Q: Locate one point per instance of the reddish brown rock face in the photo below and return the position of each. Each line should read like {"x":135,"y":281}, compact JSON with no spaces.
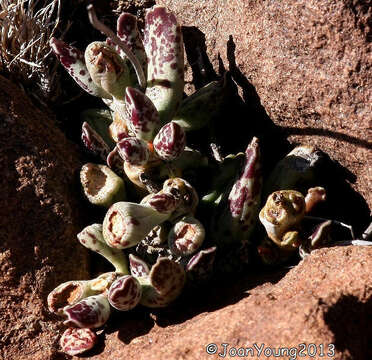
{"x":38,"y":222}
{"x":308,"y":62}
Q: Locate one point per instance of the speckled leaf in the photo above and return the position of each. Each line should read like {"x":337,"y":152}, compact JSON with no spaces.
{"x":94,"y":142}
{"x":170,"y":141}
{"x":143,"y":118}
{"x":91,"y":312}
{"x":127,"y":31}
{"x":165,"y":72}
{"x":125,"y":293}
{"x":165,"y":283}
{"x":134,"y":151}
{"x":76,"y":341}
{"x":72,"y":60}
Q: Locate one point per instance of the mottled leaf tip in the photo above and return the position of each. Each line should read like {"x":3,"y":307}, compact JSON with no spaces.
{"x":138,"y":267}
{"x":102,"y":283}
{"x":127,"y":31}
{"x":125,"y":293}
{"x":126,"y":224}
{"x":107,"y":69}
{"x":94,"y":142}
{"x":186,"y":236}
{"x":77,"y":341}
{"x":165,"y":72}
{"x":91,"y":312}
{"x":162,"y":202}
{"x":244,"y":198}
{"x":101,"y":185}
{"x":166,"y":281}
{"x":65,"y":294}
{"x":72,"y":59}
{"x":170,"y":141}
{"x":143,"y":118}
{"x":92,"y":238}
{"x":134,"y":151}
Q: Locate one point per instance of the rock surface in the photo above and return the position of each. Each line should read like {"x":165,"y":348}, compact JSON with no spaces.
{"x":38,"y":222}
{"x":309,"y":62}
{"x":326,"y":299}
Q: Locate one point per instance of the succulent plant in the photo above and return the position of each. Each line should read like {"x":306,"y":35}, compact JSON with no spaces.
{"x":283,"y":211}
{"x":153,"y":210}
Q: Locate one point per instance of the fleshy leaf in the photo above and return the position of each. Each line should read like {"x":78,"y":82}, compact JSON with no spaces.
{"x":200,"y":107}
{"x":76,"y":341}
{"x":125,"y":293}
{"x":143,"y":118}
{"x":127,"y":31}
{"x":134,"y":151}
{"x":91,"y":312}
{"x":170,"y":141}
{"x":94,"y":142}
{"x":91,"y":237}
{"x":72,"y":60}
{"x":165,"y":72}
{"x":165,"y":283}
{"x":200,"y":266}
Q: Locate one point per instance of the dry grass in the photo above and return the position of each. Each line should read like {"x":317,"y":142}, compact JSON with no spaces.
{"x":25,"y":29}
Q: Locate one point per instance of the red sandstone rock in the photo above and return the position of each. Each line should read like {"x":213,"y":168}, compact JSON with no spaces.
{"x":309,"y":62}
{"x":38,"y":222}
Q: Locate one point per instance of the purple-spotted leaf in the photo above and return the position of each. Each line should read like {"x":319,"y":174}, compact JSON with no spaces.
{"x":107,"y":69}
{"x":91,"y":312}
{"x":134,"y":151}
{"x":143,"y":118}
{"x":138,"y":267}
{"x":165,"y":72}
{"x":239,"y":213}
{"x":125,"y":293}
{"x":72,"y":60}
{"x":162,"y":202}
{"x":94,"y":142}
{"x":76,"y":341}
{"x":127,"y":31}
{"x":244,"y":198}
{"x":165,"y":283}
{"x":170,"y":141}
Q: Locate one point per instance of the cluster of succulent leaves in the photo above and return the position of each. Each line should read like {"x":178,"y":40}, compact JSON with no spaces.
{"x":140,"y":141}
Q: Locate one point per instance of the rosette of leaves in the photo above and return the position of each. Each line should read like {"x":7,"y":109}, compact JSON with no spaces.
{"x":141,"y":80}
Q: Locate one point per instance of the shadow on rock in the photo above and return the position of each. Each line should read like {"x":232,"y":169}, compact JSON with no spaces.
{"x":349,"y":320}
{"x":213,"y":296}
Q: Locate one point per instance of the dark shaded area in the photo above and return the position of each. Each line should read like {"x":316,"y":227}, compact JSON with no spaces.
{"x":349,"y":320}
